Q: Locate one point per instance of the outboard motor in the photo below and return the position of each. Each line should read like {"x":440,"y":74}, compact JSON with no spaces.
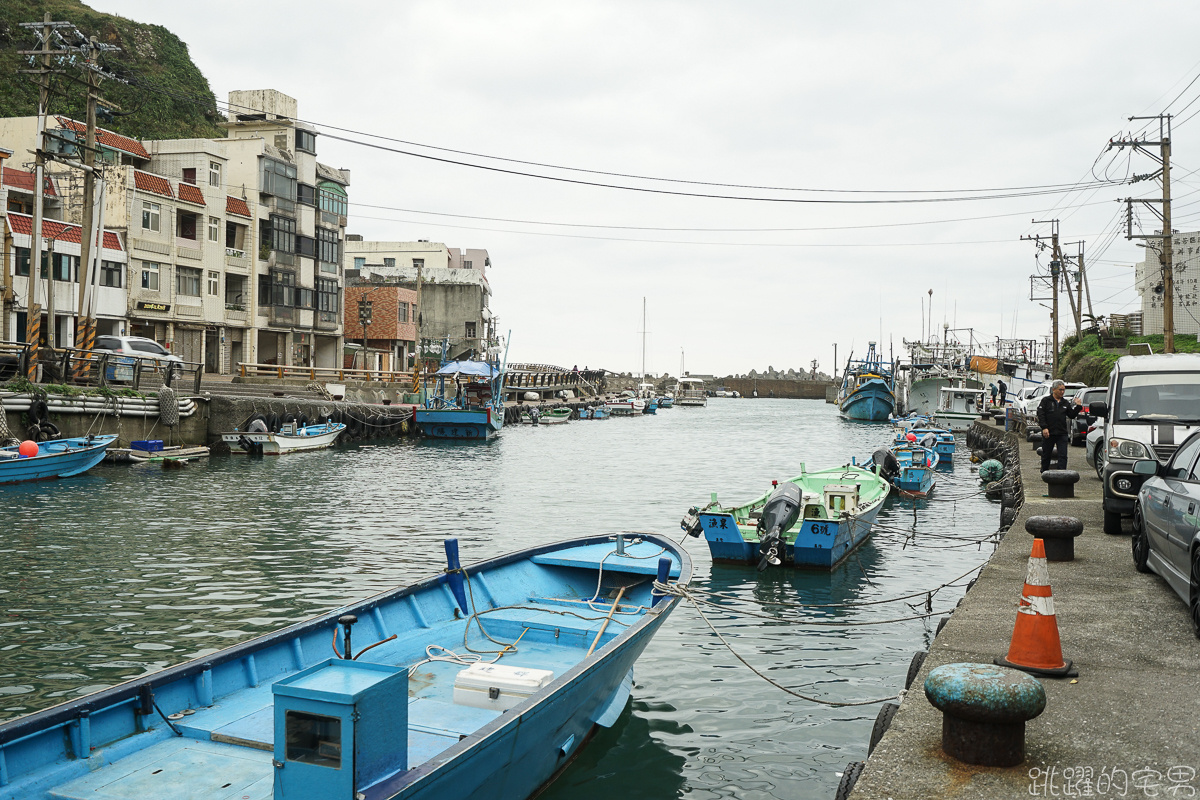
{"x":534,"y":415}
{"x":889,"y":467}
{"x":779,"y":514}
{"x":691,"y":522}
{"x":928,"y":441}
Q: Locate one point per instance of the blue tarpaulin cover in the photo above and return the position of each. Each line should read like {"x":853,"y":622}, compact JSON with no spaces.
{"x":479,"y":369}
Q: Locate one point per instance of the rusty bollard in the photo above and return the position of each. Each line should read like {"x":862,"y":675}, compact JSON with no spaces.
{"x":984,"y":710}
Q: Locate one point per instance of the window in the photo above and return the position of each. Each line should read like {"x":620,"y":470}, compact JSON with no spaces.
{"x":277,"y":289}
{"x":150,"y":214}
{"x":214,"y":173}
{"x":470,"y":330}
{"x":389,"y":262}
{"x":187,"y":225}
{"x":328,"y":249}
{"x":359,"y":263}
{"x":304,"y":297}
{"x":189,"y":175}
{"x":327,"y":295}
{"x":150,"y":275}
{"x":281,"y":233}
{"x":306,"y":194}
{"x":418,"y":263}
{"x":466,"y":265}
{"x":187,"y":281}
{"x":110,"y":274}
{"x":235,"y":236}
{"x":404,"y":312}
{"x":66,"y":268}
{"x":214,"y":229}
{"x":306,"y":141}
{"x":306,"y":246}
{"x":278,"y":179}
{"x":313,"y":739}
{"x":214,"y":283}
{"x":333,"y":198}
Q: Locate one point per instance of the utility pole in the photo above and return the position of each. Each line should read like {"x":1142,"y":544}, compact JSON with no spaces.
{"x":1055,"y":270}
{"x":85,"y":331}
{"x":1165,"y":254}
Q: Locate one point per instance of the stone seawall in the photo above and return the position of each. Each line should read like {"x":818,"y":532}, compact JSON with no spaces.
{"x":804,"y":390}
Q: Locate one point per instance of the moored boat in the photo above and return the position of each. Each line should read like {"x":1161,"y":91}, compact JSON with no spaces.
{"x":57,"y":458}
{"x":914,"y":475}
{"x":625,"y":405}
{"x":867,"y":392}
{"x":690,"y":393}
{"x":959,"y":407}
{"x":600,"y":412}
{"x":835,"y":509}
{"x":311,"y":713}
{"x":939,"y":440}
{"x":291,"y":438}
{"x":467,"y":402}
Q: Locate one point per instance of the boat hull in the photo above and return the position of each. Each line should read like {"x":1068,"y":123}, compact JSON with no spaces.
{"x":871,"y":401}
{"x":458,"y":423}
{"x":273,"y":444}
{"x":956,"y":421}
{"x":59,"y":458}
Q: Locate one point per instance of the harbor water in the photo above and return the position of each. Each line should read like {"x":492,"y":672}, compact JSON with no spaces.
{"x":126,"y":570}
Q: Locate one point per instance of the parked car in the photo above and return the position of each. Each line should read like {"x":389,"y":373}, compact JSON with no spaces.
{"x":1166,"y":529}
{"x":1154,"y":405}
{"x":1086,"y":419}
{"x":135,"y":346}
{"x":1094,"y":447}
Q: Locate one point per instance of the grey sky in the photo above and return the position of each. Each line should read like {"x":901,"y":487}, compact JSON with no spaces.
{"x":865,"y":95}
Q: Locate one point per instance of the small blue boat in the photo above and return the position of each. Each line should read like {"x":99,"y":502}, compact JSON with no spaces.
{"x":651,"y":406}
{"x":868,"y":391}
{"x":467,"y":403}
{"x":585,"y":412}
{"x":939,"y":439}
{"x":481,"y":682}
{"x":600,"y":412}
{"x":58,"y":458}
{"x":915,"y":475}
{"x":666,"y":401}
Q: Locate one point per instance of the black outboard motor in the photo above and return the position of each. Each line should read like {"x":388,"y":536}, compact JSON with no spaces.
{"x":889,"y":467}
{"x":534,"y":415}
{"x":779,"y":514}
{"x":691,"y":522}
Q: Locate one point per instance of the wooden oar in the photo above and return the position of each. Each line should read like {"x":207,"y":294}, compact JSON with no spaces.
{"x":611,"y":611}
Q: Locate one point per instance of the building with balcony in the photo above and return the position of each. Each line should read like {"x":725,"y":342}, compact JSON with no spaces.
{"x":455,"y":294}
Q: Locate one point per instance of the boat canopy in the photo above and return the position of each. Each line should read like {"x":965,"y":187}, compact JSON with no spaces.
{"x":480,"y":369}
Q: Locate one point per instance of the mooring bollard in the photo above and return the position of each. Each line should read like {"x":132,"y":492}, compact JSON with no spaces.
{"x":1036,"y":439}
{"x":1060,"y":482}
{"x":1057,"y":534}
{"x":984,"y":710}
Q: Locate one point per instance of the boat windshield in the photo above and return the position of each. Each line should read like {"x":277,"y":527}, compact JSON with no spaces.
{"x":1158,"y":397}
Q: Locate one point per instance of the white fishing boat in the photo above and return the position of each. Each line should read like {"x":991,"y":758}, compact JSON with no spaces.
{"x":625,"y":405}
{"x":690,"y":392}
{"x":959,"y":407}
{"x":290,"y":439}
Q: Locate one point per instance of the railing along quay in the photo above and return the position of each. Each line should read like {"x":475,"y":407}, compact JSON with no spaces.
{"x":284,"y":372}
{"x":69,"y":366}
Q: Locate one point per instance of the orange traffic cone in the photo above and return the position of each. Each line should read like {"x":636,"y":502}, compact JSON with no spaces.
{"x":1035,"y":645}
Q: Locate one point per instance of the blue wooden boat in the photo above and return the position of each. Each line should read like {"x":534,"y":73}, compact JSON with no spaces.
{"x":868,"y":391}
{"x":915,"y":476}
{"x":835,"y":511}
{"x":939,"y":439}
{"x":666,"y":401}
{"x":466,"y":403}
{"x":585,"y":412}
{"x":481,"y":682}
{"x":600,"y":412}
{"x":58,"y":458}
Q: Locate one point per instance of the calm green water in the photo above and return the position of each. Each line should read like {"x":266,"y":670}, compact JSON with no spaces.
{"x":127,"y":570}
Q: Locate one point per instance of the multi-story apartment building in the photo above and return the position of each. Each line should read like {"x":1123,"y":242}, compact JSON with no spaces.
{"x":455,"y":293}
{"x":232,"y":245}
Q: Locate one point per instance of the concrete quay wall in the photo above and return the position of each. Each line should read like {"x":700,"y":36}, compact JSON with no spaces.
{"x":802,"y":390}
{"x":1123,"y":728}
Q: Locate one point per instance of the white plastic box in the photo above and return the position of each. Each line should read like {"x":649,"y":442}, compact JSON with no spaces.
{"x":496,"y":686}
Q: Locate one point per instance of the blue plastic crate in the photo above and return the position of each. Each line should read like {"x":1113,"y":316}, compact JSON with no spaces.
{"x":149,"y":445}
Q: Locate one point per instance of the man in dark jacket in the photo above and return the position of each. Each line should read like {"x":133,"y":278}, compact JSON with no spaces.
{"x":1052,"y":415}
{"x":1003,"y":387}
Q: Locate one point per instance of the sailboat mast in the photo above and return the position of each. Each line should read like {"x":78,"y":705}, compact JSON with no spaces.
{"x":643,"y":340}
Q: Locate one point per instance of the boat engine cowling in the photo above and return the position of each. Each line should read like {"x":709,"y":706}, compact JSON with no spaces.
{"x":691,"y":522}
{"x":889,"y":467}
{"x":779,"y":514}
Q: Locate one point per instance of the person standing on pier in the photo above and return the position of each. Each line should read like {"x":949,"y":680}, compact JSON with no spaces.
{"x":1053,"y":414}
{"x":1003,"y":387}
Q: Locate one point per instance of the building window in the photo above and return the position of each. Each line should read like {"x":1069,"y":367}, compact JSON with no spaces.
{"x":280,"y":232}
{"x":466,"y":265}
{"x":189,"y":175}
{"x":306,"y":195}
{"x":214,"y":173}
{"x":327,"y":295}
{"x":214,"y":229}
{"x":328,"y":246}
{"x":389,"y":262}
{"x":150,"y":214}
{"x":306,"y":141}
{"x":333,"y":198}
{"x":214,"y":283}
{"x":188,"y":223}
{"x":470,"y":330}
{"x":277,"y":289}
{"x":418,"y":263}
{"x":110,"y":274}
{"x":360,"y":262}
{"x":404,"y":312}
{"x":187,"y":281}
{"x":306,"y":246}
{"x":66,"y":268}
{"x":150,"y":275}
{"x":278,"y":179}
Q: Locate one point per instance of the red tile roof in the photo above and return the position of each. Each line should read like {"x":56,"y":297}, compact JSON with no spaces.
{"x":152,"y":183}
{"x":236,"y":205}
{"x":23,"y":181}
{"x":189,"y":193}
{"x":109,"y":139}
{"x":60,"y":231}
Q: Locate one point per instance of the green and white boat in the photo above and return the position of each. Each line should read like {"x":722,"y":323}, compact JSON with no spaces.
{"x":813,"y":523}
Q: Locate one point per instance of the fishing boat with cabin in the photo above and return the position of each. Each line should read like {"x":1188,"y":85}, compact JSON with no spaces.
{"x":467,"y":401}
{"x":483,"y":681}
{"x":830,"y":510}
{"x":867,"y":392}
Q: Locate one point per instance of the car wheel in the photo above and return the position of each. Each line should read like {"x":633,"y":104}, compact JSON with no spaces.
{"x":1140,"y":542}
{"x":1098,"y":461}
{"x":1194,"y":593}
{"x":1112,"y":523}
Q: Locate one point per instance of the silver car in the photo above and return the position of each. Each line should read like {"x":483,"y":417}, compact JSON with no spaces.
{"x":135,"y":346}
{"x":1166,"y":523}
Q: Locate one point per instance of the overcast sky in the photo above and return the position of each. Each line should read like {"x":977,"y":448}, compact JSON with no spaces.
{"x":794,"y":95}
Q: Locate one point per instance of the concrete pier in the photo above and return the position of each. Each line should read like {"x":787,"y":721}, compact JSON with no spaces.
{"x":1128,"y":726}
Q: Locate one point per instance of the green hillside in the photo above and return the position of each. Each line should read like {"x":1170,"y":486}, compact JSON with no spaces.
{"x":167,"y":97}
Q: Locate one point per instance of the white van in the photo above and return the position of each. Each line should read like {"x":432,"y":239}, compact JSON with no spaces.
{"x":1154,"y":403}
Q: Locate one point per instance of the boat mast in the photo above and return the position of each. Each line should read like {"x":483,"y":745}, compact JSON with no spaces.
{"x":643,"y":340}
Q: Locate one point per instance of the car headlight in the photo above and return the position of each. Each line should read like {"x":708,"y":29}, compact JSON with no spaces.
{"x":1128,"y":449}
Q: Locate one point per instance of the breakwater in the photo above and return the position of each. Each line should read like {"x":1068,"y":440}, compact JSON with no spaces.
{"x":792,"y":390}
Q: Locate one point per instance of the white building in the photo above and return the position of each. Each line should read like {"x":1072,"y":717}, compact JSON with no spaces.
{"x":1186,"y":272}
